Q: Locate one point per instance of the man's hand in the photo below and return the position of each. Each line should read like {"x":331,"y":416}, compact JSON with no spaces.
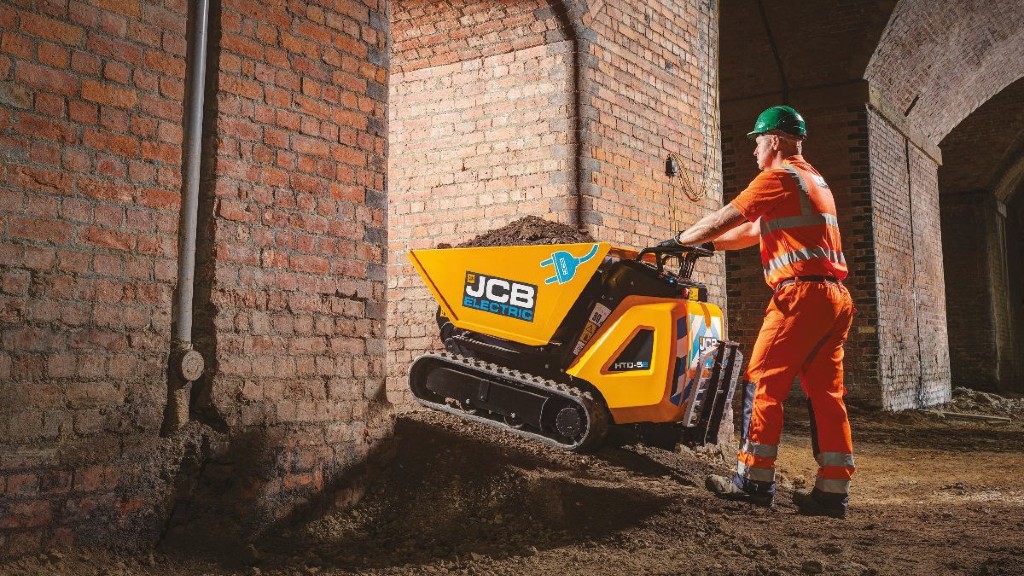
{"x":673,"y":243}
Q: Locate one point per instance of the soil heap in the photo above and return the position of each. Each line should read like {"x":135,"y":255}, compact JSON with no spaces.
{"x":528,"y":231}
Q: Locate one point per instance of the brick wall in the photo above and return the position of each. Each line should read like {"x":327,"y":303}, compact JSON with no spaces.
{"x":981,"y":156}
{"x":90,"y":137}
{"x":479,"y":138}
{"x":1015,"y":282}
{"x":913,"y":349}
{"x":650,"y":92}
{"x":488,"y":131}
{"x":427,"y":33}
{"x":293,"y":255}
{"x":291,"y":277}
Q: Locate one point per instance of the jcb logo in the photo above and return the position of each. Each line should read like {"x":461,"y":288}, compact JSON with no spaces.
{"x":500,"y":296}
{"x":707,"y":342}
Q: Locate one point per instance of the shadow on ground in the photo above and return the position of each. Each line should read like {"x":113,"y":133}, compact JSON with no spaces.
{"x":449,"y":494}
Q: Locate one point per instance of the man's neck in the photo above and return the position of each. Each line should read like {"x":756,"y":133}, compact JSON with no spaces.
{"x":779,"y":160}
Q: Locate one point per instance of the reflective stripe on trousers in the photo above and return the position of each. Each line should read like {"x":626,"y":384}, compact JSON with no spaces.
{"x":803,"y":334}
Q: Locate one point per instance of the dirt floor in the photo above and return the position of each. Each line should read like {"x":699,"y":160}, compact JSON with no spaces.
{"x":935,"y":494}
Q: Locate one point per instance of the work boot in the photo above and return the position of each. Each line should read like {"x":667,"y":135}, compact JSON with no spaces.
{"x":809,"y":503}
{"x":725,"y":488}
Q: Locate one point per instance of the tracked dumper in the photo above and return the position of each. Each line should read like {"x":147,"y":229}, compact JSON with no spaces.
{"x":559,"y":342}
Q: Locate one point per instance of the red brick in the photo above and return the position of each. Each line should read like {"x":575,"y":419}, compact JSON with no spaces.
{"x":45,"y":231}
{"x":40,"y":180}
{"x":161,"y":108}
{"x":44,"y":153}
{"x":17,"y":45}
{"x":104,"y":189}
{"x":83,"y":112}
{"x":73,"y":261}
{"x":165,"y":64}
{"x":110,"y":167}
{"x":130,"y":8}
{"x":106,"y":238}
{"x":107,"y":47}
{"x":113,"y":25}
{"x":146,"y":81}
{"x":108,"y":94}
{"x":146,"y":34}
{"x":39,"y":258}
{"x":159,"y":198}
{"x":50,"y":104}
{"x":85,"y":63}
{"x":107,"y":265}
{"x":46,"y":128}
{"x":22,"y":485}
{"x":51,"y":29}
{"x":89,"y":479}
{"x":53,"y":56}
{"x":116,"y":72}
{"x":172,"y":88}
{"x":30,"y":514}
{"x":165,"y":153}
{"x":234,"y":211}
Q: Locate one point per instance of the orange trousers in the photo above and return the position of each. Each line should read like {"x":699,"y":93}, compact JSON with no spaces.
{"x":803,"y":334}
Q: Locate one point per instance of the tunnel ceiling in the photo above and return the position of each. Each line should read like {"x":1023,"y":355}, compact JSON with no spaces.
{"x":818,"y":43}
{"x":936,"y":61}
{"x":941,"y":60}
{"x":986,"y":150}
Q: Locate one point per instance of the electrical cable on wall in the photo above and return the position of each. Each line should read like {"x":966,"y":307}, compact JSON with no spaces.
{"x":675,"y":168}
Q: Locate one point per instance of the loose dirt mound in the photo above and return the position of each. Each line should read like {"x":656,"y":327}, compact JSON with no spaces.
{"x":527,"y":231}
{"x":932,"y":495}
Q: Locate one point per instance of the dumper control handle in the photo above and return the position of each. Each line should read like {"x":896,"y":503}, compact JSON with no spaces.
{"x":687,"y":257}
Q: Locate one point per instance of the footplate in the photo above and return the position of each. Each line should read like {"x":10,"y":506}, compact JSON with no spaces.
{"x":711,"y":392}
{"x":524,"y":404}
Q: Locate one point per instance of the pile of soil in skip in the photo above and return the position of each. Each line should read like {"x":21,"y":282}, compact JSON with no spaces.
{"x":527,"y":231}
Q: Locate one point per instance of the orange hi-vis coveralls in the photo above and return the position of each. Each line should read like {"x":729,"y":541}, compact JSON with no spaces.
{"x":804,"y":329}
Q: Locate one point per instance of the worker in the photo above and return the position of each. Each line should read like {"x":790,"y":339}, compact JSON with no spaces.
{"x":789,"y":210}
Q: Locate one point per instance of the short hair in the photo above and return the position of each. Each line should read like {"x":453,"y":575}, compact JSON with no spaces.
{"x":786,"y":135}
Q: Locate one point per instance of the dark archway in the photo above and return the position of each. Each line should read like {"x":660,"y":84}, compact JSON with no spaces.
{"x":981,"y":243}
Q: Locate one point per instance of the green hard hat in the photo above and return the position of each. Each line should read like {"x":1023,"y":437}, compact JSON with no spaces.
{"x":779,"y":118}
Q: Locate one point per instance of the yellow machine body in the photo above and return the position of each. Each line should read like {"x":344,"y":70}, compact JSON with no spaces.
{"x":657,"y":392}
{"x":523,"y":293}
{"x":519,"y":293}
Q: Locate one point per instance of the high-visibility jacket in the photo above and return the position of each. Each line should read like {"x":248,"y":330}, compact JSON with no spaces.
{"x":799,"y":229}
{"x":804,"y":330}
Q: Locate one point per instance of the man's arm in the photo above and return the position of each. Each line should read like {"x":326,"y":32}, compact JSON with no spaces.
{"x":714,"y":225}
{"x":743,"y":236}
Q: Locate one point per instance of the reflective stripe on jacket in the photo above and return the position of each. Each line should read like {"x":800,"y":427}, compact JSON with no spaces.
{"x":799,"y":228}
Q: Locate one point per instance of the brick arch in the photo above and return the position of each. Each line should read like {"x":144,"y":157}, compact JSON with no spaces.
{"x":983,"y":168}
{"x":1009,"y":187}
{"x":938,"y":64}
{"x":984,"y":151}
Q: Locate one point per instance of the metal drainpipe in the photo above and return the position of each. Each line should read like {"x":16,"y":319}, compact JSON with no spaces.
{"x":576,"y":120}
{"x":185,"y":361}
